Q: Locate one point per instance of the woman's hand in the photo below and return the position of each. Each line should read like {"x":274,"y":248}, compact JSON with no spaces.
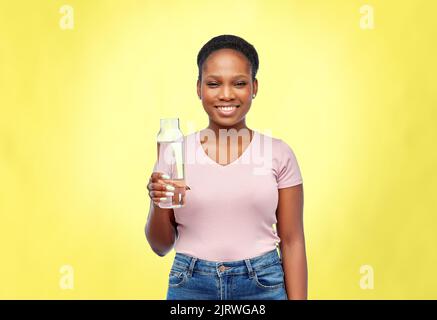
{"x":158,"y":189}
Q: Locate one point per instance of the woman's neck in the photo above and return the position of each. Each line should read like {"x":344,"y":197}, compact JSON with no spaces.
{"x":237,"y":127}
{"x":220,"y":137}
{"x":240,"y":138}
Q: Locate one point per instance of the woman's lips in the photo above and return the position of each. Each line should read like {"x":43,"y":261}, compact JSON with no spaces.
{"x":227,"y":111}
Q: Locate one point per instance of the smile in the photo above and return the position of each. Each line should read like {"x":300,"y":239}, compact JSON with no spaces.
{"x":227,"y":110}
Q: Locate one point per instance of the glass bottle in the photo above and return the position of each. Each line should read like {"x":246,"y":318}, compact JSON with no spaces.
{"x":170,"y":143}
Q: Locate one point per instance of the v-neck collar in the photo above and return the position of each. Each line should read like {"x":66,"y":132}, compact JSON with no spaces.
{"x":238,"y":160}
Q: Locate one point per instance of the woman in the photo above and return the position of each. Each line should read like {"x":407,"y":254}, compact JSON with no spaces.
{"x":225,"y":245}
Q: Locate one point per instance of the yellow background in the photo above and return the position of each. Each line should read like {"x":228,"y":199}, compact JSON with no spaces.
{"x":80,"y":112}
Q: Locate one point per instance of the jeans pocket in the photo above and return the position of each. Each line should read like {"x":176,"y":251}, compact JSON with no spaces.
{"x":177,"y":279}
{"x":271,"y":277}
{"x":178,"y":275}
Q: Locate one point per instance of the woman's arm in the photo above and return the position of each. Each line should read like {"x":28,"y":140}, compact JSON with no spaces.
{"x":161,"y":231}
{"x":292,"y":245}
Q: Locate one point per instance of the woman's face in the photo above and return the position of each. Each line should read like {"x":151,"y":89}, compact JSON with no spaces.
{"x":226,"y":87}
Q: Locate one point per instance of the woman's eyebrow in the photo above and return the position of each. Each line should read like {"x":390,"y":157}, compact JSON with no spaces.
{"x":217,"y":76}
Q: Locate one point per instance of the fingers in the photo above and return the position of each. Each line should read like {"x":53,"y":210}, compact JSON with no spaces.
{"x":160,"y":194}
{"x":157,"y":201}
{"x":158,"y":176}
{"x":159,"y":191}
{"x":158,"y":186}
{"x":162,"y":189}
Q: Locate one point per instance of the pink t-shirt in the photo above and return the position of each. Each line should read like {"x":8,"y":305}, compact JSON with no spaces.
{"x":230,"y":210}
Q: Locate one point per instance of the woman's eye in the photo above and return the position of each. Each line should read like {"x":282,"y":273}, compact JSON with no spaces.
{"x":216,"y":84}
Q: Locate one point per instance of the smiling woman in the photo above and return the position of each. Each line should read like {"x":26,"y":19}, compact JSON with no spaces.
{"x":225,"y":245}
{"x":227,"y":80}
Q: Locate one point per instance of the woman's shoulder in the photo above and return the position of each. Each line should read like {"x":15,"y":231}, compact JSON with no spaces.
{"x":284,"y":162}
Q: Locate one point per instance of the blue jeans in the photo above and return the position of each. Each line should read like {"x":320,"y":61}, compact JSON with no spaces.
{"x":259,"y":278}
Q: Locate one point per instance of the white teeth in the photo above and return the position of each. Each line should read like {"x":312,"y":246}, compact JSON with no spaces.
{"x":226,"y":108}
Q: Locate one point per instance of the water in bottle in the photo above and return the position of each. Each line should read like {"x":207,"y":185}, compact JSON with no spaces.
{"x":170,"y":143}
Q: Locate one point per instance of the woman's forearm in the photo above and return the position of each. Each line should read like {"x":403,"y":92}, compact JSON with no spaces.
{"x":294,"y":263}
{"x":160,"y":231}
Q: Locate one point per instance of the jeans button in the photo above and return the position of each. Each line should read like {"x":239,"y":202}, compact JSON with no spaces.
{"x":223,"y":268}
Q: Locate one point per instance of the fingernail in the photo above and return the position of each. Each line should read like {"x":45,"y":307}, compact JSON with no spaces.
{"x":169,"y":194}
{"x":164,"y":176}
{"x":170,"y":188}
{"x":163,"y":199}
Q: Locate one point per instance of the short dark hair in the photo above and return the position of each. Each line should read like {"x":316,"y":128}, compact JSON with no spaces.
{"x":227,"y":41}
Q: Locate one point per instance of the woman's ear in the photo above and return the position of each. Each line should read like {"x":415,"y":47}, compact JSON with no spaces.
{"x":255,"y":88}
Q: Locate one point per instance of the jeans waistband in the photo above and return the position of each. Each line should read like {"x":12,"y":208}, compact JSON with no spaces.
{"x":229,"y":267}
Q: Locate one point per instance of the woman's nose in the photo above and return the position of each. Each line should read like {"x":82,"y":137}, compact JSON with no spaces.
{"x":227,"y":93}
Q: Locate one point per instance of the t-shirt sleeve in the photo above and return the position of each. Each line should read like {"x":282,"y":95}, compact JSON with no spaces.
{"x":288,"y":172}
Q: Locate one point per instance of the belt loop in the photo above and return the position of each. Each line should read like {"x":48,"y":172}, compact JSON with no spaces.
{"x":279,"y":253}
{"x":249,"y":268}
{"x":191,"y":267}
